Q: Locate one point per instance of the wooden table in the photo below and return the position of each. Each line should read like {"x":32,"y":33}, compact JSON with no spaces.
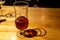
{"x":8,"y":29}
{"x":47,"y":18}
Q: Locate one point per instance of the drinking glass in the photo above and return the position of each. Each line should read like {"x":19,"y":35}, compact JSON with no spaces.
{"x":21,"y":21}
{"x":2,"y":18}
{"x":1,"y":3}
{"x":21,"y":15}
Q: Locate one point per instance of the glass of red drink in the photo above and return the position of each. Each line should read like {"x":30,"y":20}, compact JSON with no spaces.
{"x":21,"y":15}
{"x":21,"y":21}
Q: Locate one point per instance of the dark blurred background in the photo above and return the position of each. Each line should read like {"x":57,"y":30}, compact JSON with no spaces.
{"x":39,"y":3}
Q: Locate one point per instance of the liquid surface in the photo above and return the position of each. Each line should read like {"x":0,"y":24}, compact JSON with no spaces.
{"x":21,"y":23}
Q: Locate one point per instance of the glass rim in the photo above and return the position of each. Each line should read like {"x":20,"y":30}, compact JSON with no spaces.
{"x":14,"y":4}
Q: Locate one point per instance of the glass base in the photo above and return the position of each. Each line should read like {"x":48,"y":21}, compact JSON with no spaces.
{"x":29,"y":33}
{"x":19,"y":34}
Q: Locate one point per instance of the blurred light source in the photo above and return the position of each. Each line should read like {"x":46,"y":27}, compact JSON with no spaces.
{"x":13,"y":37}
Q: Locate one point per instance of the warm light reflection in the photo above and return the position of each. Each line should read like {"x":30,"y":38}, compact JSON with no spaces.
{"x":43,"y":14}
{"x":13,"y":37}
{"x":43,"y":17}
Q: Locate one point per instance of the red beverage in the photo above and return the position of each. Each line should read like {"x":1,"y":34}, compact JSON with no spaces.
{"x":21,"y":23}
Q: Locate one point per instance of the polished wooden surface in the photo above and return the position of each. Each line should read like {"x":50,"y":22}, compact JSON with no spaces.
{"x":8,"y":29}
{"x":12,"y":36}
{"x":47,"y":18}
